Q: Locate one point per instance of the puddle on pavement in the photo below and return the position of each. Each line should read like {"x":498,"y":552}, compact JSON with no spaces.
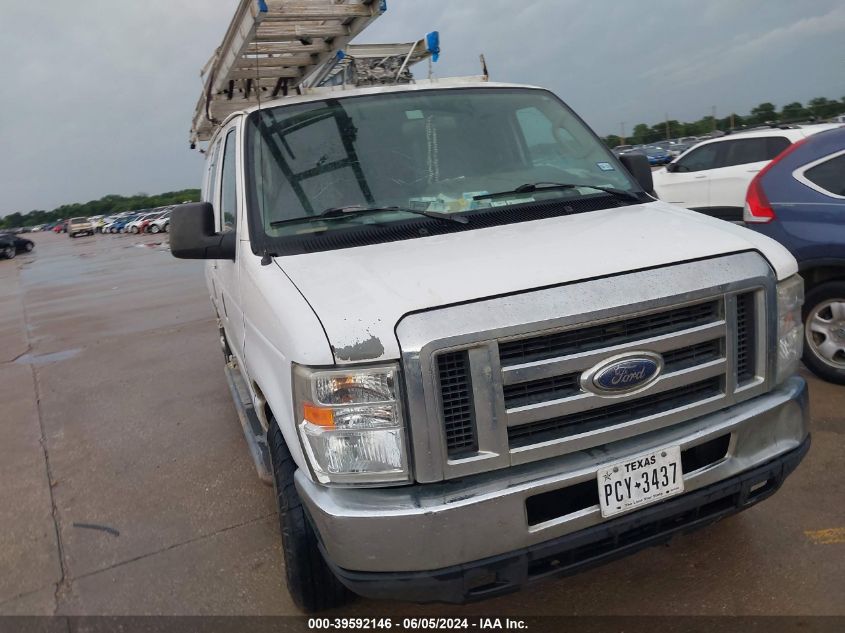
{"x":46,"y":359}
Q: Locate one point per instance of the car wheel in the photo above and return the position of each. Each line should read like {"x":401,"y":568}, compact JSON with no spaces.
{"x":311,"y":583}
{"x":167,"y":228}
{"x":134,"y":230}
{"x":9,"y":252}
{"x":28,"y":247}
{"x":824,"y":344}
{"x":154,"y":229}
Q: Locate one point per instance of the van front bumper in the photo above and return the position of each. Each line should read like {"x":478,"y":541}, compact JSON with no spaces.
{"x":470,"y":539}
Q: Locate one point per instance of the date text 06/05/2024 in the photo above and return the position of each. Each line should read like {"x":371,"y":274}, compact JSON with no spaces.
{"x":417,"y":624}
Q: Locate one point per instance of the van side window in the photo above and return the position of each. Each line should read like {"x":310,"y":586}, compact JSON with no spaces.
{"x":229,"y":184}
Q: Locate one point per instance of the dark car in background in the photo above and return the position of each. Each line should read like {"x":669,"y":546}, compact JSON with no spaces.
{"x":11,"y":245}
{"x":799,"y":200}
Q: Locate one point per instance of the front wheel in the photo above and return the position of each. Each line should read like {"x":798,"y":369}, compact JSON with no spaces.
{"x":311,"y":583}
{"x":154,"y":229}
{"x":824,"y":344}
{"x":29,"y":246}
{"x":9,"y":252}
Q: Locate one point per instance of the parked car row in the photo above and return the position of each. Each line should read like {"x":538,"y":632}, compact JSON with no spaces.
{"x":145,"y":221}
{"x":157,"y":221}
{"x":713,"y":177}
{"x":785,"y":182}
{"x":662,"y":152}
{"x":789,"y":184}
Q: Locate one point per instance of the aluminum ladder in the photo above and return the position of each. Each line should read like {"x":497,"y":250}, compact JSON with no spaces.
{"x":274,"y":48}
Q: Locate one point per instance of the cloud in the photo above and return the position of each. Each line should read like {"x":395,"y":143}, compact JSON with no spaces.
{"x":746,"y":52}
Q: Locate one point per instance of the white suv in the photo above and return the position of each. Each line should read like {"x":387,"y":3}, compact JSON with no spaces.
{"x":713,"y":177}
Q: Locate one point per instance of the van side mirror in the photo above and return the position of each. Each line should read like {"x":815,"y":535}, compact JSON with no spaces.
{"x":192,"y":234}
{"x":637,"y":164}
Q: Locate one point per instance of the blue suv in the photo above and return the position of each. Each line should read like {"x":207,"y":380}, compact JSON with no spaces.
{"x":799,"y":200}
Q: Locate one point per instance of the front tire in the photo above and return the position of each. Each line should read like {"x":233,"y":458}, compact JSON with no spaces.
{"x":311,"y":583}
{"x":824,"y":328}
{"x":29,"y":246}
{"x":154,"y":229}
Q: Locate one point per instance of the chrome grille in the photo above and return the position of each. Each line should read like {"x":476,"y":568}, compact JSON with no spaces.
{"x":544,"y":400}
{"x":505,"y":381}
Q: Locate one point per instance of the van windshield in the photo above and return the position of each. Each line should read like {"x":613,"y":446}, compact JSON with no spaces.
{"x":436,"y":150}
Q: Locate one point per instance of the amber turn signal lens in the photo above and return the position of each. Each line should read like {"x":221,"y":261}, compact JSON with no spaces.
{"x":318,"y":416}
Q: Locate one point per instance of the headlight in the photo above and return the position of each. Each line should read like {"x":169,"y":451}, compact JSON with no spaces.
{"x":790,"y":327}
{"x":351,"y":425}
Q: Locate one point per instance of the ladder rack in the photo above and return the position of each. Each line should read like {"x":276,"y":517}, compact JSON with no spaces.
{"x":271,"y":47}
{"x":274,"y":47}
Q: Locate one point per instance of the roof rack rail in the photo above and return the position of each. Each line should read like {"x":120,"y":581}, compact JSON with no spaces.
{"x":275,"y":47}
{"x":376,"y":64}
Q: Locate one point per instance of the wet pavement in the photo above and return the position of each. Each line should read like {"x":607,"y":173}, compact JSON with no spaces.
{"x":126,"y":487}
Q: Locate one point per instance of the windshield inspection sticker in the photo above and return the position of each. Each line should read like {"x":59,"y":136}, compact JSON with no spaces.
{"x":606,"y":167}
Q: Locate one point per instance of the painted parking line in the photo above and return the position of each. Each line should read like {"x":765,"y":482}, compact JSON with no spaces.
{"x":832,"y":536}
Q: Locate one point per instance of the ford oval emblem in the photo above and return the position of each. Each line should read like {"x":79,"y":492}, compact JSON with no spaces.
{"x":624,"y":374}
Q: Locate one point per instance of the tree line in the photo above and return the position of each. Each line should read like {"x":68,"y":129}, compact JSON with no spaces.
{"x":104,"y":206}
{"x":818,"y":109}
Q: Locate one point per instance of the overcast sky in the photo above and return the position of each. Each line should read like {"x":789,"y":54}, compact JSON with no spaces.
{"x":97,"y":95}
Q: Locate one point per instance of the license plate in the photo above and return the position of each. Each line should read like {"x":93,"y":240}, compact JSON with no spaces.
{"x":640,"y":481}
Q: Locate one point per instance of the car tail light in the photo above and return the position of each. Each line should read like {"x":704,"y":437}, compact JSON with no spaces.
{"x":758,"y":209}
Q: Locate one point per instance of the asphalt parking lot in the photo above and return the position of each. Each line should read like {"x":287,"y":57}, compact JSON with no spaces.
{"x":126,"y":487}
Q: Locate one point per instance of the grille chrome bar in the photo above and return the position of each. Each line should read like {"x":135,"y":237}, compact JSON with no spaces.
{"x":588,"y":401}
{"x":603,"y":335}
{"x":578,"y":362}
{"x":586,"y":421}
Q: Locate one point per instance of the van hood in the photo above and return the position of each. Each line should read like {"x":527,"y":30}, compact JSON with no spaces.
{"x":360,"y":294}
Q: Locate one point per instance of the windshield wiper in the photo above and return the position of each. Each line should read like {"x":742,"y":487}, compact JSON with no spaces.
{"x":558,"y":186}
{"x":337,"y":213}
